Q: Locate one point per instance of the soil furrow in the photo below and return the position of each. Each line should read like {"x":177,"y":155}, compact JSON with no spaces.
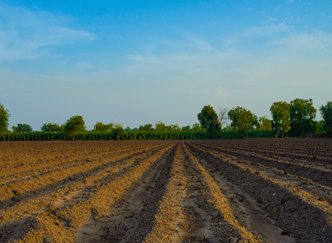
{"x":297,"y":218}
{"x":313,"y":158}
{"x":317,"y":174}
{"x":51,"y":167}
{"x":133,"y":215}
{"x":28,"y":202}
{"x":18,"y":191}
{"x":67,"y":219}
{"x":320,"y":147}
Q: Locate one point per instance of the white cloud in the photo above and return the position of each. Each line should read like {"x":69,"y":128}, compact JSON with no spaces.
{"x":23,"y":32}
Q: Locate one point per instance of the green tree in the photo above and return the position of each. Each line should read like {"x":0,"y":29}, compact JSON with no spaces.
{"x":73,"y":125}
{"x":160,"y":126}
{"x":51,"y":127}
{"x":280,"y":112}
{"x":196,"y":127}
{"x":118,"y":133}
{"x":4,"y":117}
{"x":117,"y":125}
{"x":264,"y":124}
{"x":326,"y":112}
{"x":302,"y":115}
{"x":175,"y":128}
{"x":101,"y":127}
{"x":186,"y":128}
{"x":22,"y":128}
{"x":146,"y":127}
{"x":242,"y":120}
{"x":208,"y":119}
{"x":320,"y":126}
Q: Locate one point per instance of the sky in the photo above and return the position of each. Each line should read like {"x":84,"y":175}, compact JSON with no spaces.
{"x":137,"y":62}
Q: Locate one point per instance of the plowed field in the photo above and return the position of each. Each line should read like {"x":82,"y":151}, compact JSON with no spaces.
{"x":255,"y":190}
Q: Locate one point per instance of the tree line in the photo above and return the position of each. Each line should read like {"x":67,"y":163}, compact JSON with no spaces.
{"x":293,"y":119}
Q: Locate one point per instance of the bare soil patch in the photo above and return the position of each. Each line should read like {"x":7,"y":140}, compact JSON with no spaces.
{"x":255,"y":190}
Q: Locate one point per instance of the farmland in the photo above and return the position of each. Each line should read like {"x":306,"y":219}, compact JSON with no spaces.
{"x":254,"y":190}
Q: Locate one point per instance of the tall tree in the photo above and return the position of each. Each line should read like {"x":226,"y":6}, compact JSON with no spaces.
{"x":118,"y":132}
{"x":4,"y":117}
{"x":302,"y":117}
{"x":208,"y":119}
{"x":159,"y":126}
{"x":73,"y":125}
{"x":280,"y":112}
{"x":242,"y":120}
{"x":326,"y":111}
{"x":264,"y":124}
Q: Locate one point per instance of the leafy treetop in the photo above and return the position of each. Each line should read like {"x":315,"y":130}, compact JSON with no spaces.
{"x":4,"y":117}
{"x":101,"y":127}
{"x":242,"y":120}
{"x":208,"y":119}
{"x":73,"y":125}
{"x":302,"y":115}
{"x":264,"y":124}
{"x":51,"y":127}
{"x":326,"y":111}
{"x":22,"y":128}
{"x":281,"y":116}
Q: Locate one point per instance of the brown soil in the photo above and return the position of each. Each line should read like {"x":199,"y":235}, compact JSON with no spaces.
{"x":256,"y":190}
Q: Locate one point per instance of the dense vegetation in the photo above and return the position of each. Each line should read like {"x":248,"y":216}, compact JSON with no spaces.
{"x":292,"y":119}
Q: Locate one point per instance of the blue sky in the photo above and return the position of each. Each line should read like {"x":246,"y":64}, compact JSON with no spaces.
{"x":138,"y":62}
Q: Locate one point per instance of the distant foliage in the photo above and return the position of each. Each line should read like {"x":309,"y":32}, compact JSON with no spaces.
{"x":146,"y":127}
{"x":73,"y":125}
{"x":185,"y":128}
{"x":280,"y":112}
{"x":264,"y":124}
{"x":326,"y":112}
{"x":118,"y":133}
{"x":302,"y":117}
{"x":101,"y":127}
{"x":208,"y":119}
{"x":4,"y":117}
{"x":160,"y":126}
{"x":242,"y":120}
{"x":22,"y":128}
{"x":51,"y":127}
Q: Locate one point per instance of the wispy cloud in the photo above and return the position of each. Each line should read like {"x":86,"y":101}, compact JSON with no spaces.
{"x":193,"y":41}
{"x":201,"y":44}
{"x":84,"y":65}
{"x":222,"y":93}
{"x":265,"y":31}
{"x":23,"y":32}
{"x":318,"y":41}
{"x":269,"y":19}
